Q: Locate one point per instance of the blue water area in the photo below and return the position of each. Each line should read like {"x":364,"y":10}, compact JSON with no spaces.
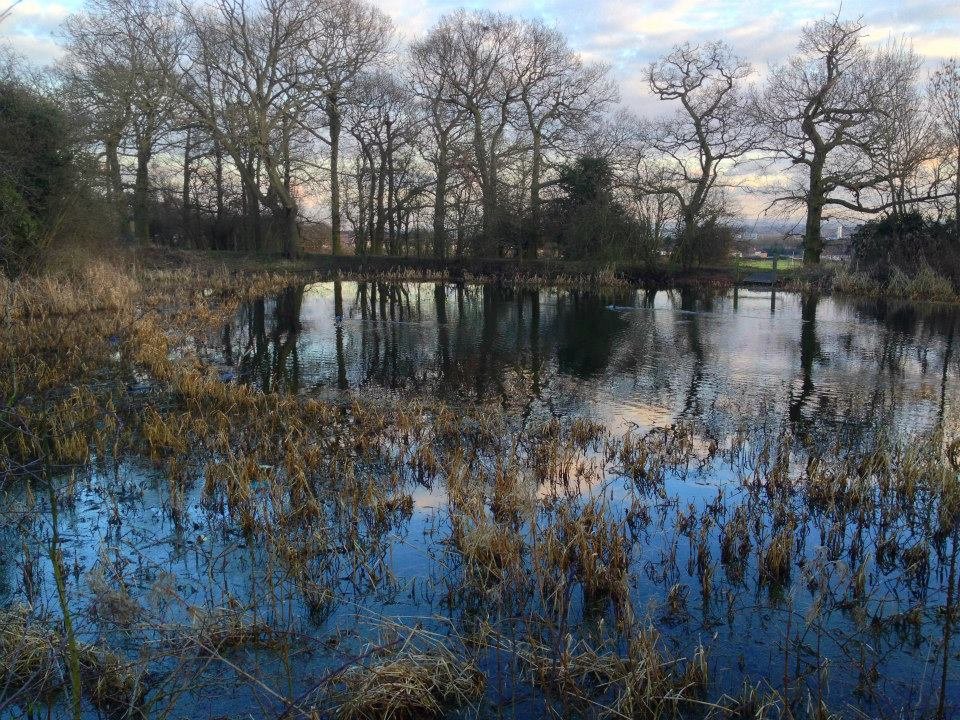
{"x":830,"y":371}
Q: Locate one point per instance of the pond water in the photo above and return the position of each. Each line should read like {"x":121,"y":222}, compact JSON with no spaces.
{"x":639,"y":358}
{"x":829,"y":371}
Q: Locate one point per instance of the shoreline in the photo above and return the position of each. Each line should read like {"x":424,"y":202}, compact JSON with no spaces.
{"x":825,"y":280}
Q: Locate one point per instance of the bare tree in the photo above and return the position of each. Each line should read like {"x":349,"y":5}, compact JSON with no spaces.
{"x":382,"y":118}
{"x":825,"y":111}
{"x":560,"y":95}
{"x":431,"y":64}
{"x":905,"y":145}
{"x":355,"y":36}
{"x":120,"y":57}
{"x":11,"y":64}
{"x":682,"y":156}
{"x":484,"y":85}
{"x":363,"y":118}
{"x":944,"y":94}
{"x":244,"y":77}
{"x":8,"y":10}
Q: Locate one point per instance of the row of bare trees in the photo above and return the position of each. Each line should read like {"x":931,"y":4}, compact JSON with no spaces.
{"x":252,"y":117}
{"x":840,"y":125}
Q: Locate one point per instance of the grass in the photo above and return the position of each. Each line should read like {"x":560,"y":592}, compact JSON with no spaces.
{"x":764,"y":264}
{"x":924,"y":285}
{"x":408,"y":685}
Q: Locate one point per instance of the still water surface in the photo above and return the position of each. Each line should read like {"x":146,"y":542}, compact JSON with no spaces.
{"x":637,"y":358}
{"x":829,"y":369}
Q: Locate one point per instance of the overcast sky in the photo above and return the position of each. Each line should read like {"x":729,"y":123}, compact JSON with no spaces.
{"x":625,"y":34}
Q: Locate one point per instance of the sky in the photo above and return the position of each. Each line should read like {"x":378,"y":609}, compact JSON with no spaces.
{"x":625,"y":34}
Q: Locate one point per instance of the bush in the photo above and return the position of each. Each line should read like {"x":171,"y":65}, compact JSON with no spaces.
{"x":707,"y":245}
{"x":35,"y":174}
{"x":925,"y":284}
{"x":928,"y":284}
{"x":854,"y":282}
{"x":589,"y":223}
{"x":909,"y":243}
{"x":20,"y":231}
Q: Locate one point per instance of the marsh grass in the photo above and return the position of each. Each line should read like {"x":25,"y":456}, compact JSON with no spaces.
{"x":924,"y":285}
{"x":538,"y":536}
{"x":35,"y":666}
{"x":408,"y":685}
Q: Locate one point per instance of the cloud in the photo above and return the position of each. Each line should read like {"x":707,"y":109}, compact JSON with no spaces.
{"x":31,"y":29}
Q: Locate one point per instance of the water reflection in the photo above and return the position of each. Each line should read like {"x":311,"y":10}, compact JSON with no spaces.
{"x":641,"y":357}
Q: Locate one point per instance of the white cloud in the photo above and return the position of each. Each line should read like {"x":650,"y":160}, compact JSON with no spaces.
{"x":31,"y":29}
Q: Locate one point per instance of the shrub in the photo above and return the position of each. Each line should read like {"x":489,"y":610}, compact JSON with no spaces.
{"x":35,"y":174}
{"x":909,"y":243}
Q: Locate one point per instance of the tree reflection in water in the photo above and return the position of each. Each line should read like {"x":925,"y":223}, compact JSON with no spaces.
{"x":824,"y":365}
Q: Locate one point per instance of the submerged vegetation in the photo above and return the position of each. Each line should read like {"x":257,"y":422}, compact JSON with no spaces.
{"x":170,"y":533}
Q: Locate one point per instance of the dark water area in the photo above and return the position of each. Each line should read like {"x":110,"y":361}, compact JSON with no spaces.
{"x":641,"y":359}
{"x":829,"y":371}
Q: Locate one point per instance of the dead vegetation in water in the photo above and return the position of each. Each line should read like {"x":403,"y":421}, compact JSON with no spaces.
{"x":34,"y":666}
{"x":548,"y":526}
{"x":220,"y":630}
{"x":407,"y":685}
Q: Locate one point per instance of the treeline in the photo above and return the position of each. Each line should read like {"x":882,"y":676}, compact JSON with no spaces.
{"x":279,"y":124}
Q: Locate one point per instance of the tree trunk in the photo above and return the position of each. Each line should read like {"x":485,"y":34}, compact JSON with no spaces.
{"x":460,"y":233}
{"x":532,"y":245}
{"x":485,"y":173}
{"x":381,"y":216}
{"x":252,"y":208}
{"x":440,"y":203}
{"x":291,"y":237}
{"x":812,"y":238}
{"x":141,"y":211}
{"x":360,"y":239}
{"x":185,"y":201}
{"x":491,"y":200}
{"x":280,"y":184}
{"x":956,"y":195}
{"x":371,"y":210}
{"x":367,"y":192}
{"x":686,"y":241}
{"x":532,"y":248}
{"x":333,"y":116}
{"x":488,"y":207}
{"x":218,"y":176}
{"x":116,"y":188}
{"x":392,"y":217}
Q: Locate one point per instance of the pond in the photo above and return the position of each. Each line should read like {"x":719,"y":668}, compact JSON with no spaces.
{"x":740,"y":475}
{"x":638,"y":358}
